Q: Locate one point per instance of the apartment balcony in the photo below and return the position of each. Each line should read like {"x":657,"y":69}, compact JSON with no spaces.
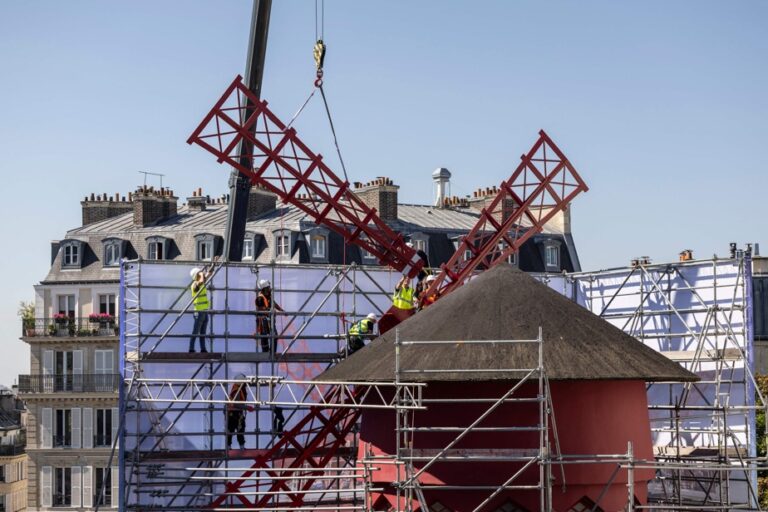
{"x":84,"y":383}
{"x":70,"y":326}
{"x":10,"y":450}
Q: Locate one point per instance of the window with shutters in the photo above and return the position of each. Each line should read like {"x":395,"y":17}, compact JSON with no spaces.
{"x":103,"y":436}
{"x":62,"y":487}
{"x":103,"y":487}
{"x":104,"y":370}
{"x":63,"y":371}
{"x":62,"y":428}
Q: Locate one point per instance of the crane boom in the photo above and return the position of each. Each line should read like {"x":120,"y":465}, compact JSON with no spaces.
{"x":239,"y":184}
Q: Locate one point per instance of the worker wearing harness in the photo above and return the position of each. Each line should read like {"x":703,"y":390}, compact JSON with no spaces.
{"x":200,"y":304}
{"x":403,"y":296}
{"x":264,"y":305}
{"x":236,"y":413}
{"x":358,"y":332}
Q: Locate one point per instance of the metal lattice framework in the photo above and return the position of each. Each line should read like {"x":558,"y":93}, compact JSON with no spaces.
{"x":698,"y":314}
{"x":173,"y":400}
{"x":542,"y":185}
{"x":281,"y":163}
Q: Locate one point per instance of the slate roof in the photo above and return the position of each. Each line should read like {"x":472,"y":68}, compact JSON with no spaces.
{"x":440,"y":224}
{"x":504,"y":303}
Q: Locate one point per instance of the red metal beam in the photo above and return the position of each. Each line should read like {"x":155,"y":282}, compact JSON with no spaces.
{"x":542,"y":185}
{"x":317,"y":446}
{"x":281,"y":163}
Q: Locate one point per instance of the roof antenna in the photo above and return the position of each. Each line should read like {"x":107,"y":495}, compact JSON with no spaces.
{"x":145,"y":173}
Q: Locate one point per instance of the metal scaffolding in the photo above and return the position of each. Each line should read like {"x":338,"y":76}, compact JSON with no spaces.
{"x":300,"y":435}
{"x":411,"y":462}
{"x":697,"y":313}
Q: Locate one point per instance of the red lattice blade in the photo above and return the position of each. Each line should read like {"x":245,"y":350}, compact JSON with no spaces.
{"x":280,"y":162}
{"x":542,"y":185}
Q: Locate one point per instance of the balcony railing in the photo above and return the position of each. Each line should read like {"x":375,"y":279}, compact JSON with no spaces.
{"x":8,"y":450}
{"x":84,"y":383}
{"x":69,"y":326}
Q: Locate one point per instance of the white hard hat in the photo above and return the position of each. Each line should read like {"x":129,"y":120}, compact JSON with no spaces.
{"x":430,"y":278}
{"x":240,"y":376}
{"x":263,"y":283}
{"x":371,"y":316}
{"x":193,"y":273}
{"x":409,"y":244}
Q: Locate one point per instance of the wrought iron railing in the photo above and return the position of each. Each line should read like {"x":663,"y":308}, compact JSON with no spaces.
{"x":69,"y":326}
{"x":8,"y":450}
{"x":83,"y":383}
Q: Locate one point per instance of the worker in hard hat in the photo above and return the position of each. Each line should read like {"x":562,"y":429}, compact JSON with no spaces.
{"x":236,"y":412}
{"x":404,"y":294}
{"x":424,"y":299}
{"x":359,"y":331}
{"x":201,"y":303}
{"x":264,"y":305}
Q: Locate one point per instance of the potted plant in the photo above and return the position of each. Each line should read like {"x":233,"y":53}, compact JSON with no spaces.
{"x":61,"y":318}
{"x":27,"y":314}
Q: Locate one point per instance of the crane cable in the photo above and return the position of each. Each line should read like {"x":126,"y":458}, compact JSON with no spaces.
{"x":318,"y":52}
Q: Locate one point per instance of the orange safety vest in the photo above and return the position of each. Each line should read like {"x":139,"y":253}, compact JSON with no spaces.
{"x":237,"y":393}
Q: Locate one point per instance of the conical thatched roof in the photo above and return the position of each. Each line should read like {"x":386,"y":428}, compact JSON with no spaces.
{"x":506,"y":304}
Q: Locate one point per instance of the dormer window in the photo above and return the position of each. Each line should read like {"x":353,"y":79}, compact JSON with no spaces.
{"x":512,"y":258}
{"x":71,"y":254}
{"x":113,"y":251}
{"x":368,"y":258}
{"x":206,"y":246}
{"x":248,"y":247}
{"x":282,"y":244}
{"x":157,"y":248}
{"x":552,"y":255}
{"x":420,"y":242}
{"x":318,"y":245}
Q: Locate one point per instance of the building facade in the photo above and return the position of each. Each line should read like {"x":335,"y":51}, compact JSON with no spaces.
{"x":13,"y":457}
{"x":72,"y":388}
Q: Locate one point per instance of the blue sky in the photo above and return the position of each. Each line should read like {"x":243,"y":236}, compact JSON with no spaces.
{"x":661,"y":106}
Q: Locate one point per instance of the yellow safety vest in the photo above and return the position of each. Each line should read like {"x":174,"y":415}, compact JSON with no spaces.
{"x":200,"y":295}
{"x":403,"y":298}
{"x":360,"y":327}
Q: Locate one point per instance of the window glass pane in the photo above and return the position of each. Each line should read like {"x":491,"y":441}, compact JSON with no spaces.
{"x":283,"y":245}
{"x":205,"y":250}
{"x":318,"y":246}
{"x":156,"y":250}
{"x":66,"y":305}
{"x":248,"y":249}
{"x":107,"y":304}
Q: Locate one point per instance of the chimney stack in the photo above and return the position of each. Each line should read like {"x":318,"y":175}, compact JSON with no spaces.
{"x":150,"y":206}
{"x":380,"y":194}
{"x":260,"y":201}
{"x":197,"y":201}
{"x":442,"y":178}
{"x":98,"y":208}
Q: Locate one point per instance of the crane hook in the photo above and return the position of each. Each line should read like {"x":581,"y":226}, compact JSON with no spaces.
{"x":319,"y":53}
